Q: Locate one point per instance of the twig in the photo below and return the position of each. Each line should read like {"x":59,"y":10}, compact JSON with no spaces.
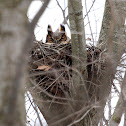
{"x":90,"y":8}
{"x":35,"y":108}
{"x":38,"y":15}
{"x":89,"y":20}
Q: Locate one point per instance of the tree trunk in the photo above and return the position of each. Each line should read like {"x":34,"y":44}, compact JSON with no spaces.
{"x":13,"y":34}
{"x":115,"y":38}
{"x":79,"y":56}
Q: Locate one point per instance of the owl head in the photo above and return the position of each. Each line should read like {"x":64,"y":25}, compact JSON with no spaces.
{"x":56,"y":37}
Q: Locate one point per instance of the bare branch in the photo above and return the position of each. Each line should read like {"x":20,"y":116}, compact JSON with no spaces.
{"x":89,"y":20}
{"x":120,"y":107}
{"x":38,"y":15}
{"x":36,"y":110}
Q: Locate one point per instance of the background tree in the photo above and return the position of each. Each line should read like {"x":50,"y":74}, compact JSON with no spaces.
{"x":15,"y":39}
{"x":13,"y":35}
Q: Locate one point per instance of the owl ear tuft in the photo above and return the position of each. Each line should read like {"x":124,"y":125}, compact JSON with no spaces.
{"x":49,"y":29}
{"x":62,"y":28}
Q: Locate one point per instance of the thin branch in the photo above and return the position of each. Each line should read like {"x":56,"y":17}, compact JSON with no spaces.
{"x":38,"y":15}
{"x":63,"y":11}
{"x":89,"y":9}
{"x":86,"y":110}
{"x":36,"y":110}
{"x":81,"y":117}
{"x":120,"y":107}
{"x":89,"y":21}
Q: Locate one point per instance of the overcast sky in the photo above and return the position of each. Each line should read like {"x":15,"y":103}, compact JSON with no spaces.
{"x":53,"y":16}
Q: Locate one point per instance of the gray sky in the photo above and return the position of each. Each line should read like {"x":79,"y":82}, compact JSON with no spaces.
{"x":53,"y":16}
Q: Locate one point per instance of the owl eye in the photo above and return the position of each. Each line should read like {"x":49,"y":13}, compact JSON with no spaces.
{"x":49,"y":38}
{"x":63,"y":37}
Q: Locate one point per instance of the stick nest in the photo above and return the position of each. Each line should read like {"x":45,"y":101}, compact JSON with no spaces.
{"x":50,"y":66}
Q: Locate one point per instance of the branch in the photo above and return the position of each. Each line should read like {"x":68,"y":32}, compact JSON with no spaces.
{"x":120,"y":107}
{"x":36,"y":109}
{"x":38,"y":15}
{"x":84,"y":111}
{"x":89,"y":8}
{"x":63,"y":11}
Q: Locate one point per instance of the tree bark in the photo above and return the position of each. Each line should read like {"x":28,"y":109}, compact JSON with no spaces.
{"x":13,"y":34}
{"x":114,"y":41}
{"x":120,"y":107}
{"x":79,"y":55}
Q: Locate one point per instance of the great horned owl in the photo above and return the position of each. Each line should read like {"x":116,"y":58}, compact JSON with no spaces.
{"x":58,"y":36}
